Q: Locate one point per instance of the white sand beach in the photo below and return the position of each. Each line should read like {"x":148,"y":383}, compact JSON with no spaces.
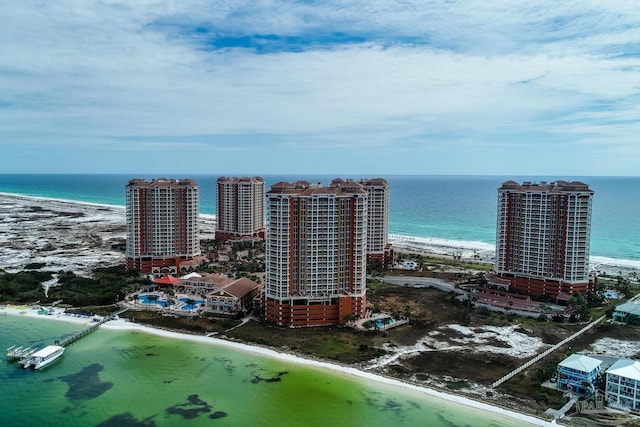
{"x":124,"y":325}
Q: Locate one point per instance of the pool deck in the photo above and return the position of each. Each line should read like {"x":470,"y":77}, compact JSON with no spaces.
{"x":179,"y":305}
{"x":375,"y":317}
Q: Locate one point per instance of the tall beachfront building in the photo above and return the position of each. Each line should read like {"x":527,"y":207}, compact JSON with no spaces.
{"x":240,"y":208}
{"x":162,"y":224}
{"x":377,"y":218}
{"x":542,"y":237}
{"x":316,"y":250}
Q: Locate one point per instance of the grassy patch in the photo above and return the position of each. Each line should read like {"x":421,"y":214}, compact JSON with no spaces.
{"x":341,"y":344}
{"x":189,"y":324}
{"x":458,"y":385}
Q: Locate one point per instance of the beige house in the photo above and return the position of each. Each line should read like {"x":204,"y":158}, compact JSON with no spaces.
{"x":233,"y":297}
{"x":221,"y":293}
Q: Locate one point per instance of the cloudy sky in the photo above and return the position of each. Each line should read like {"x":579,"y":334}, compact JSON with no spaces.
{"x":497,"y":87}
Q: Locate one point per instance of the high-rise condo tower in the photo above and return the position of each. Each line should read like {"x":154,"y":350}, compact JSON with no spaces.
{"x":162,"y":224}
{"x":377,"y":219}
{"x":316,"y":252}
{"x":542,"y":237}
{"x":240,"y":208}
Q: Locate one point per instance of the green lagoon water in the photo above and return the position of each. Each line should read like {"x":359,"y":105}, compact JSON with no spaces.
{"x":129,"y":378}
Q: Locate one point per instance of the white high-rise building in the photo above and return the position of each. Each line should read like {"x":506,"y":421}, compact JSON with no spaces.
{"x":162,"y":224}
{"x":316,"y":251}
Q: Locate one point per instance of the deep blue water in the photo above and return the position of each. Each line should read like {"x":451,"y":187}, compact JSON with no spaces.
{"x":449,"y":207}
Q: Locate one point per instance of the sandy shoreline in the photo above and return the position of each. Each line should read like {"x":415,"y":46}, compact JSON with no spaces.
{"x":123,"y":325}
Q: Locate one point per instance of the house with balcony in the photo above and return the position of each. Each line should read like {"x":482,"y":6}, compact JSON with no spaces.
{"x":578,"y":373}
{"x":623,"y":385}
{"x":628,"y":313}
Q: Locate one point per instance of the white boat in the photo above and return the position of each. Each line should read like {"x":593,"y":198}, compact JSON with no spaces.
{"x":14,"y":352}
{"x":43,"y":357}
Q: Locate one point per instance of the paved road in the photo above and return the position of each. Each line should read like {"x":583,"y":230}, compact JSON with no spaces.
{"x":419,"y":282}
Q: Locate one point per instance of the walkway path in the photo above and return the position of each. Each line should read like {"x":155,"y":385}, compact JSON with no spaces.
{"x":244,"y":321}
{"x":546,"y":352}
{"x":422,"y":282}
{"x":558,"y":414}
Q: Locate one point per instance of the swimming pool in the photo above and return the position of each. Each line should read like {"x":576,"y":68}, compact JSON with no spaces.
{"x":152,"y":299}
{"x":382,"y":322}
{"x":611,"y":294}
{"x":196,"y":303}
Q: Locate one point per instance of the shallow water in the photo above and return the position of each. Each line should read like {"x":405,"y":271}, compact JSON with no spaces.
{"x":129,"y":378}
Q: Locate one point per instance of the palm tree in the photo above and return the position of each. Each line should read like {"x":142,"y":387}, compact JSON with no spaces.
{"x":153,"y":298}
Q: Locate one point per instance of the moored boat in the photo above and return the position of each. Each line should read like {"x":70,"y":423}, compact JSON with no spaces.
{"x":43,"y":357}
{"x":14,"y":352}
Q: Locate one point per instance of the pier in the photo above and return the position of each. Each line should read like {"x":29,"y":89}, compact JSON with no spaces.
{"x":23,"y":353}
{"x":75,"y":337}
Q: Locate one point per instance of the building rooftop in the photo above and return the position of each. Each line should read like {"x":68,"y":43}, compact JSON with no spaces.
{"x":626,"y":368}
{"x":231,"y":180}
{"x":632,"y":307}
{"x":580,"y":362}
{"x":240,"y":287}
{"x":161,"y":182}
{"x":559,"y":186}
{"x":304,"y":188}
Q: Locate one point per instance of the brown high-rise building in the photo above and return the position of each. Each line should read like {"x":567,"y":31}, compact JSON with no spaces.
{"x":240,"y":208}
{"x":162,"y":224}
{"x":316,"y":253}
{"x":542,"y":237}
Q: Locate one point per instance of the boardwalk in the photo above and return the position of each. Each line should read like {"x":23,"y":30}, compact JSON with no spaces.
{"x":75,"y":337}
{"x":546,"y":353}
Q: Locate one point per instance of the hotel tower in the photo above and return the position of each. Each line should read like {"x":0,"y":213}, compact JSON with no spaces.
{"x":240,"y":208}
{"x":542,"y":237}
{"x":316,"y":251}
{"x":162,"y":224}
{"x":377,"y":218}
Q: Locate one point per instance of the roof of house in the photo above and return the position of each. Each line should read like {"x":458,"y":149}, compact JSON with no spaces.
{"x":494,"y":279}
{"x":190,"y":275}
{"x":629,"y":307}
{"x":580,"y":362}
{"x":239,"y":288}
{"x":213,"y":278}
{"x":626,"y":368}
{"x":563,"y":296}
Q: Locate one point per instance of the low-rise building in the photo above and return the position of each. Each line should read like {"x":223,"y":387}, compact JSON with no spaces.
{"x":222,"y":295}
{"x":623,"y":385}
{"x":578,"y":373}
{"x":234,"y":297}
{"x":628,"y":313}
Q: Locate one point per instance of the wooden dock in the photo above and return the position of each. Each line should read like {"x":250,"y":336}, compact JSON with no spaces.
{"x":75,"y":337}
{"x":23,"y":353}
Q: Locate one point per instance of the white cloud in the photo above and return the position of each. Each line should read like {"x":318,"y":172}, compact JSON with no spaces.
{"x":403,"y":76}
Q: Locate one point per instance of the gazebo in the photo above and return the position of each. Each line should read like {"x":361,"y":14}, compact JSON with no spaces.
{"x":166,"y":280}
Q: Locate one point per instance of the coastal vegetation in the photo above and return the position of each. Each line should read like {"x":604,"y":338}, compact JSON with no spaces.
{"x":104,"y":287}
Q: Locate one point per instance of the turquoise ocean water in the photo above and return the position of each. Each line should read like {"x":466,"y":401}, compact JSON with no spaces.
{"x":130,"y":378}
{"x":449,"y":207}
